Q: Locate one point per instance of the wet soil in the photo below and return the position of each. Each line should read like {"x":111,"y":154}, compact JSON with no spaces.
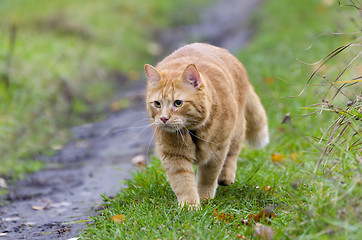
{"x":56,"y":203}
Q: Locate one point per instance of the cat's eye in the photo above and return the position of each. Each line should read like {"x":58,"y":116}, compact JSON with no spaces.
{"x":157,"y":104}
{"x":177,"y":103}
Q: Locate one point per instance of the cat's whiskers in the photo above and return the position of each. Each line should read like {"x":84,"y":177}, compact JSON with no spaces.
{"x":149,"y":145}
{"x":197,"y":136}
{"x":178,"y":136}
{"x":114,"y":130}
{"x":183,"y":139}
{"x":178,"y":133}
{"x":111,"y":131}
{"x":145,"y":127}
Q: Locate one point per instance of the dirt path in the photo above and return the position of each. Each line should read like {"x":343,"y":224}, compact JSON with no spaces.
{"x":55,"y":202}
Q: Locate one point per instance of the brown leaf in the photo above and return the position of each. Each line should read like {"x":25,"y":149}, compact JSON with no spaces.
{"x":239,"y":236}
{"x":118,"y":218}
{"x":265,"y":232}
{"x":266,"y":214}
{"x":277,"y":157}
{"x":214,"y":212}
{"x":251,"y":216}
{"x":225,"y":217}
{"x":295,"y":157}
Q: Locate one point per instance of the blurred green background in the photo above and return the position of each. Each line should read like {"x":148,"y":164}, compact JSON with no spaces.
{"x":61,"y":61}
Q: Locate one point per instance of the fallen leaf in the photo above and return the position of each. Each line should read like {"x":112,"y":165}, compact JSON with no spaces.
{"x":214,"y":212}
{"x":222,"y":216}
{"x":12,"y":219}
{"x":277,"y":157}
{"x":139,"y":161}
{"x":41,"y":208}
{"x":118,"y":218}
{"x":295,"y":157}
{"x":266,"y":214}
{"x":267,"y":188}
{"x":239,"y":236}
{"x":3,"y":183}
{"x":225,"y":217}
{"x":265,"y":232}
{"x":251,"y":216}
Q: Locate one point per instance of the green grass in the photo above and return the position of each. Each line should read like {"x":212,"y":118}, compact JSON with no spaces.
{"x":59,"y":65}
{"x":321,"y":205}
{"x":304,"y":209}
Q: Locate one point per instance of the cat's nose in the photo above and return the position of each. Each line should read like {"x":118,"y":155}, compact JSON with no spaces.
{"x":164,"y":119}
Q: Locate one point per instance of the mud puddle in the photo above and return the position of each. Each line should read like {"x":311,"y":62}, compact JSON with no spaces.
{"x":56,"y":203}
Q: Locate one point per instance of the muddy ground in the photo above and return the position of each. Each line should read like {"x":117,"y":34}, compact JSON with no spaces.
{"x":55,"y":203}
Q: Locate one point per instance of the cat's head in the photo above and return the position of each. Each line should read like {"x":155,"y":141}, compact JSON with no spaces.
{"x":176,"y":99}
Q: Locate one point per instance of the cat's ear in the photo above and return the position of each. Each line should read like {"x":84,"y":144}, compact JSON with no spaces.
{"x":192,"y":76}
{"x":152,"y":74}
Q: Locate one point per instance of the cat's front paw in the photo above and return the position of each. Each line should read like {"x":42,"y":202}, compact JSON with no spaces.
{"x":207,"y":192}
{"x":190,"y":205}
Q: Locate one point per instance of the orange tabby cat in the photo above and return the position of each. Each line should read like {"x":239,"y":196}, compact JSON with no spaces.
{"x":202,"y":108}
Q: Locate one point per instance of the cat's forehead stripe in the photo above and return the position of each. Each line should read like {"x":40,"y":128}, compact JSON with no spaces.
{"x":168,"y":90}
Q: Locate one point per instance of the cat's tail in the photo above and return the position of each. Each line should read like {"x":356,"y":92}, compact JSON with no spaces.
{"x":257,"y":134}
